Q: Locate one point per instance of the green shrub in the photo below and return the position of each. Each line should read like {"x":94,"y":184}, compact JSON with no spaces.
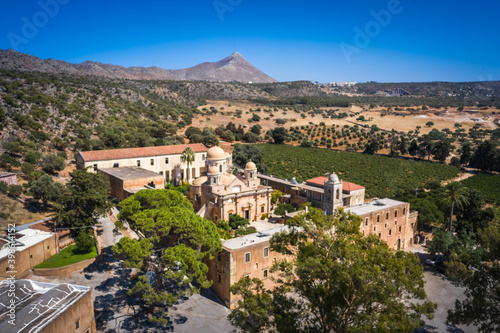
{"x":236,"y":221}
{"x":84,"y":242}
{"x":245,"y":231}
{"x":15,"y":190}
{"x":52,"y":163}
{"x":4,"y":187}
{"x":282,"y":209}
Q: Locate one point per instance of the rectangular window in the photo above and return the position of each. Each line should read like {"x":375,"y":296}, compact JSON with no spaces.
{"x":116,"y":165}
{"x":138,"y":163}
{"x":395,"y":213}
{"x":77,"y":324}
{"x":166,"y":160}
{"x":219,"y":278}
{"x":48,"y":247}
{"x":390,"y":232}
{"x":266,"y":252}
{"x":247,"y":257}
{"x":262,"y":209}
{"x":399,"y":229}
{"x":387,"y":215}
{"x":265,"y":273}
{"x":203,"y":157}
{"x":366,"y":222}
{"x":152,"y":161}
{"x":182,"y":159}
{"x":95,"y":167}
{"x":219,"y":257}
{"x":404,"y":211}
{"x":379,"y":235}
{"x":378,"y":218}
{"x":412,"y":226}
{"x":374,"y":229}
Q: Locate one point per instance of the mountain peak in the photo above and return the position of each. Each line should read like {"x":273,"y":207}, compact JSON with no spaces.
{"x":231,"y":68}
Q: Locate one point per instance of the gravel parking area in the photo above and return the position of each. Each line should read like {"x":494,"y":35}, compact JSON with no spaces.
{"x":441,"y":291}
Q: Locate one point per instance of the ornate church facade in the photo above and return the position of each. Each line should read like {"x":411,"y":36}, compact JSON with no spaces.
{"x":219,"y":194}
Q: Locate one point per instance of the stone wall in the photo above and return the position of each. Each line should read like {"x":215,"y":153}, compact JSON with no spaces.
{"x":29,"y":257}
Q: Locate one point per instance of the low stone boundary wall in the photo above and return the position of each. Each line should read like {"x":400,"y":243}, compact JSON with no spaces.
{"x":65,"y":270}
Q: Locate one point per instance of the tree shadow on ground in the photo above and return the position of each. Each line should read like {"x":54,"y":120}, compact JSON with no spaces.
{"x":111,"y":307}
{"x":211,"y":295}
{"x":453,"y":329}
{"x":102,"y":263}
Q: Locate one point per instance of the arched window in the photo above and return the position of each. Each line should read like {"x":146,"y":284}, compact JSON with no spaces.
{"x":338,"y":194}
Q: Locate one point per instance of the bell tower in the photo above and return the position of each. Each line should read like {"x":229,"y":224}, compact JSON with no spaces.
{"x":332,"y":197}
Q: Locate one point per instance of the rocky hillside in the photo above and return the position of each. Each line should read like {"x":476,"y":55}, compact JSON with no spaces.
{"x":232,"y":68}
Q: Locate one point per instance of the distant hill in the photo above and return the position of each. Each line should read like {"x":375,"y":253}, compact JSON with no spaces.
{"x":232,"y":68}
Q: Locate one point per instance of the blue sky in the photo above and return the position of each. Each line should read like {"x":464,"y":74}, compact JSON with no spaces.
{"x":336,"y":40}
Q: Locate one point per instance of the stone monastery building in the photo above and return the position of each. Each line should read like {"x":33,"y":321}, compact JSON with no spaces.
{"x":220,"y":194}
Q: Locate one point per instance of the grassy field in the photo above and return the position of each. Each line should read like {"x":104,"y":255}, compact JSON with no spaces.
{"x":66,"y":257}
{"x":382,"y":176}
{"x":488,"y":185}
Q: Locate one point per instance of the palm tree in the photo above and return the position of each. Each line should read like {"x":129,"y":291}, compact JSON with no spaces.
{"x":188,"y":157}
{"x":455,"y":194}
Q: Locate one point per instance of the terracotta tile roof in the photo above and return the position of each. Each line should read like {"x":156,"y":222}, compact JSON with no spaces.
{"x":116,"y":154}
{"x":48,"y":226}
{"x":346,"y":186}
{"x":317,"y":181}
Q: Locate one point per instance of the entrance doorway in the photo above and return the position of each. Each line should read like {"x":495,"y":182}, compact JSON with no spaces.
{"x":247,"y":214}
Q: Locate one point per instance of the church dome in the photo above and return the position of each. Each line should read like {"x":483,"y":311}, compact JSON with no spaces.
{"x":216,"y":153}
{"x":333,"y":178}
{"x":213,"y":170}
{"x":251,"y":166}
{"x":200,"y":181}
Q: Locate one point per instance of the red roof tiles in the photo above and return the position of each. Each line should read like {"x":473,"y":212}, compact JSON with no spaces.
{"x":48,"y":226}
{"x":346,"y":186}
{"x":116,"y":154}
{"x":317,"y":181}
